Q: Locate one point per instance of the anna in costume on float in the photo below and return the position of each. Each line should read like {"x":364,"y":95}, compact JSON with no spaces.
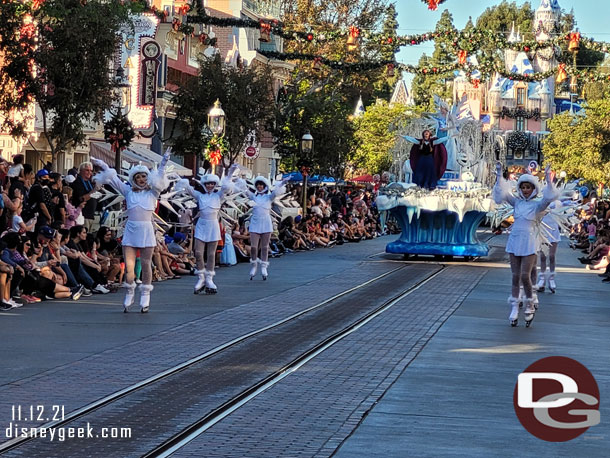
{"x":428,"y":159}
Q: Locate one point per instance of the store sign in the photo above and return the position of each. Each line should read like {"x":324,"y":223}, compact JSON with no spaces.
{"x":139,"y":60}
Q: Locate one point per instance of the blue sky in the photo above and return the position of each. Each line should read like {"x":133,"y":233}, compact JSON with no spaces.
{"x":415,"y":17}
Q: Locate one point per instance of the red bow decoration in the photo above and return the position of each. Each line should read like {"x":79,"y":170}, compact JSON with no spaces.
{"x":116,"y":142}
{"x":433,"y":4}
{"x":265,"y":27}
{"x":354,"y":31}
{"x":574,"y":42}
{"x":462,"y":56}
{"x":176,"y":24}
{"x":215,"y":157}
{"x":37,"y":4}
{"x":562,"y":75}
{"x":475,"y":83}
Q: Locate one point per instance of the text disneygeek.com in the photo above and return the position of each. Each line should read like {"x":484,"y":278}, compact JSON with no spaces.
{"x":61,"y":433}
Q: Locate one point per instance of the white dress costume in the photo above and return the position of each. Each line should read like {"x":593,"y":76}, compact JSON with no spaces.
{"x":207,"y":228}
{"x":139,"y":231}
{"x":553,"y":231}
{"x":260,"y":222}
{"x":523,"y":239}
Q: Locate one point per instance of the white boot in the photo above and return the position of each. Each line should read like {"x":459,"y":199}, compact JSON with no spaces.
{"x":130,"y":292}
{"x":551,"y":279}
{"x":145,"y":291}
{"x":254,"y":263}
{"x":514,"y":310}
{"x":200,"y":280}
{"x":264,"y":265}
{"x":210,"y":287}
{"x":541,"y":282}
{"x":530,"y":311}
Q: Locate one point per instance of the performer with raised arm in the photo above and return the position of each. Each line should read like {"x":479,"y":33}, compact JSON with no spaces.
{"x":141,"y":195}
{"x":207,"y":230}
{"x":428,"y":159}
{"x":261,"y":225}
{"x":523,"y":241}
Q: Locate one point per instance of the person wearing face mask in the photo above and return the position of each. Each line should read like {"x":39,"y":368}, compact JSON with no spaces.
{"x":522,"y":244}
{"x":141,"y":195}
{"x":207,"y":230}
{"x":261,"y":225}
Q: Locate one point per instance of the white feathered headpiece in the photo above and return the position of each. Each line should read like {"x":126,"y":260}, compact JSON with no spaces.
{"x":263,"y":180}
{"x":134,"y":170}
{"x":533,"y":180}
{"x":209,"y":178}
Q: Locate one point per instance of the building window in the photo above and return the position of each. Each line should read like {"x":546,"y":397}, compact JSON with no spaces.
{"x":520,"y":124}
{"x":520,"y":96}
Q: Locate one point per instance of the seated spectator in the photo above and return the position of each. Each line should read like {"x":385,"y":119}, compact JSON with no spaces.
{"x":86,"y":270}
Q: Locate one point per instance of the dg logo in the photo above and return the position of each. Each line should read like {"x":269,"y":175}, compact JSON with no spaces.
{"x":557,"y":399}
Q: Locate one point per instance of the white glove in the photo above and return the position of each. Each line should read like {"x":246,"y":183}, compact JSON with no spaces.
{"x":167,"y":153}
{"x":99,"y":163}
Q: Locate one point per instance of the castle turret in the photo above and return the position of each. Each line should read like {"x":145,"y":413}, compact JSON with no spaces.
{"x":546,"y":24}
{"x":511,"y":54}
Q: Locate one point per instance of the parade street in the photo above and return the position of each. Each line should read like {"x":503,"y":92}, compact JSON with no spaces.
{"x":343,"y":351}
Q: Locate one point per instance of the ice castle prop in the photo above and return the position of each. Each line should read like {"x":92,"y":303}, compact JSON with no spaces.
{"x":438,"y":222}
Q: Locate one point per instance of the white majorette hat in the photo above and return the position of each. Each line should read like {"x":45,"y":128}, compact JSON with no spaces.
{"x":134,"y":170}
{"x":209,"y":178}
{"x":263,"y":180}
{"x":528,"y":178}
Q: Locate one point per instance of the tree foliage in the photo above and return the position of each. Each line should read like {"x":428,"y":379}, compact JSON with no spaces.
{"x":376,"y":135}
{"x":425,"y":86}
{"x":246,"y":98}
{"x":580,"y":145}
{"x":49,"y":58}
{"x":323,"y":100}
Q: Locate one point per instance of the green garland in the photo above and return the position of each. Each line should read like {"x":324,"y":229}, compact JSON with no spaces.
{"x":518,"y":141}
{"x":118,"y":131}
{"x":520,"y":113}
{"x":216,"y":149}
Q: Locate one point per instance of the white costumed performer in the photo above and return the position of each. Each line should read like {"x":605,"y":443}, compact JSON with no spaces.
{"x":261,"y":225}
{"x":141,"y":197}
{"x":523,"y":241}
{"x":207,"y":230}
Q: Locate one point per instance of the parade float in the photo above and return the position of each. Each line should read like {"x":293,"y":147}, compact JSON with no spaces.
{"x":440,"y":209}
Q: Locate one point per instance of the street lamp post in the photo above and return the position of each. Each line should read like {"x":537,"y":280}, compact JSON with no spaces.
{"x":306,"y":149}
{"x":122,"y":95}
{"x":216,"y":124}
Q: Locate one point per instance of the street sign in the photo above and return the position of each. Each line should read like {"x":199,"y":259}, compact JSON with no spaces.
{"x":251,"y":152}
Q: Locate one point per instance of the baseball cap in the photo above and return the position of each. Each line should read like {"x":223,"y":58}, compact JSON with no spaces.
{"x":179,"y":237}
{"x":297,"y":219}
{"x":42,"y":173}
{"x":47,"y":232}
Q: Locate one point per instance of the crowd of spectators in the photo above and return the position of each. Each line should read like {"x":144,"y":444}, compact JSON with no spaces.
{"x":53,"y":244}
{"x":592,"y":235}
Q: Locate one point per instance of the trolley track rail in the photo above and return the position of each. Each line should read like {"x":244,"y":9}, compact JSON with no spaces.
{"x":252,"y":390}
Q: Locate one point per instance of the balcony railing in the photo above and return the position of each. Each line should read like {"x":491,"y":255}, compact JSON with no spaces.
{"x":267,"y":8}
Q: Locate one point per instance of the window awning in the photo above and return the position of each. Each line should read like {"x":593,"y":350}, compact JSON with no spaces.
{"x":134,"y":154}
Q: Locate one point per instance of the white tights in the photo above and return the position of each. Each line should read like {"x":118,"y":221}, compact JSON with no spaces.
{"x":210,"y":259}
{"x":523,"y":268}
{"x":263,"y":240}
{"x":130,"y":254}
